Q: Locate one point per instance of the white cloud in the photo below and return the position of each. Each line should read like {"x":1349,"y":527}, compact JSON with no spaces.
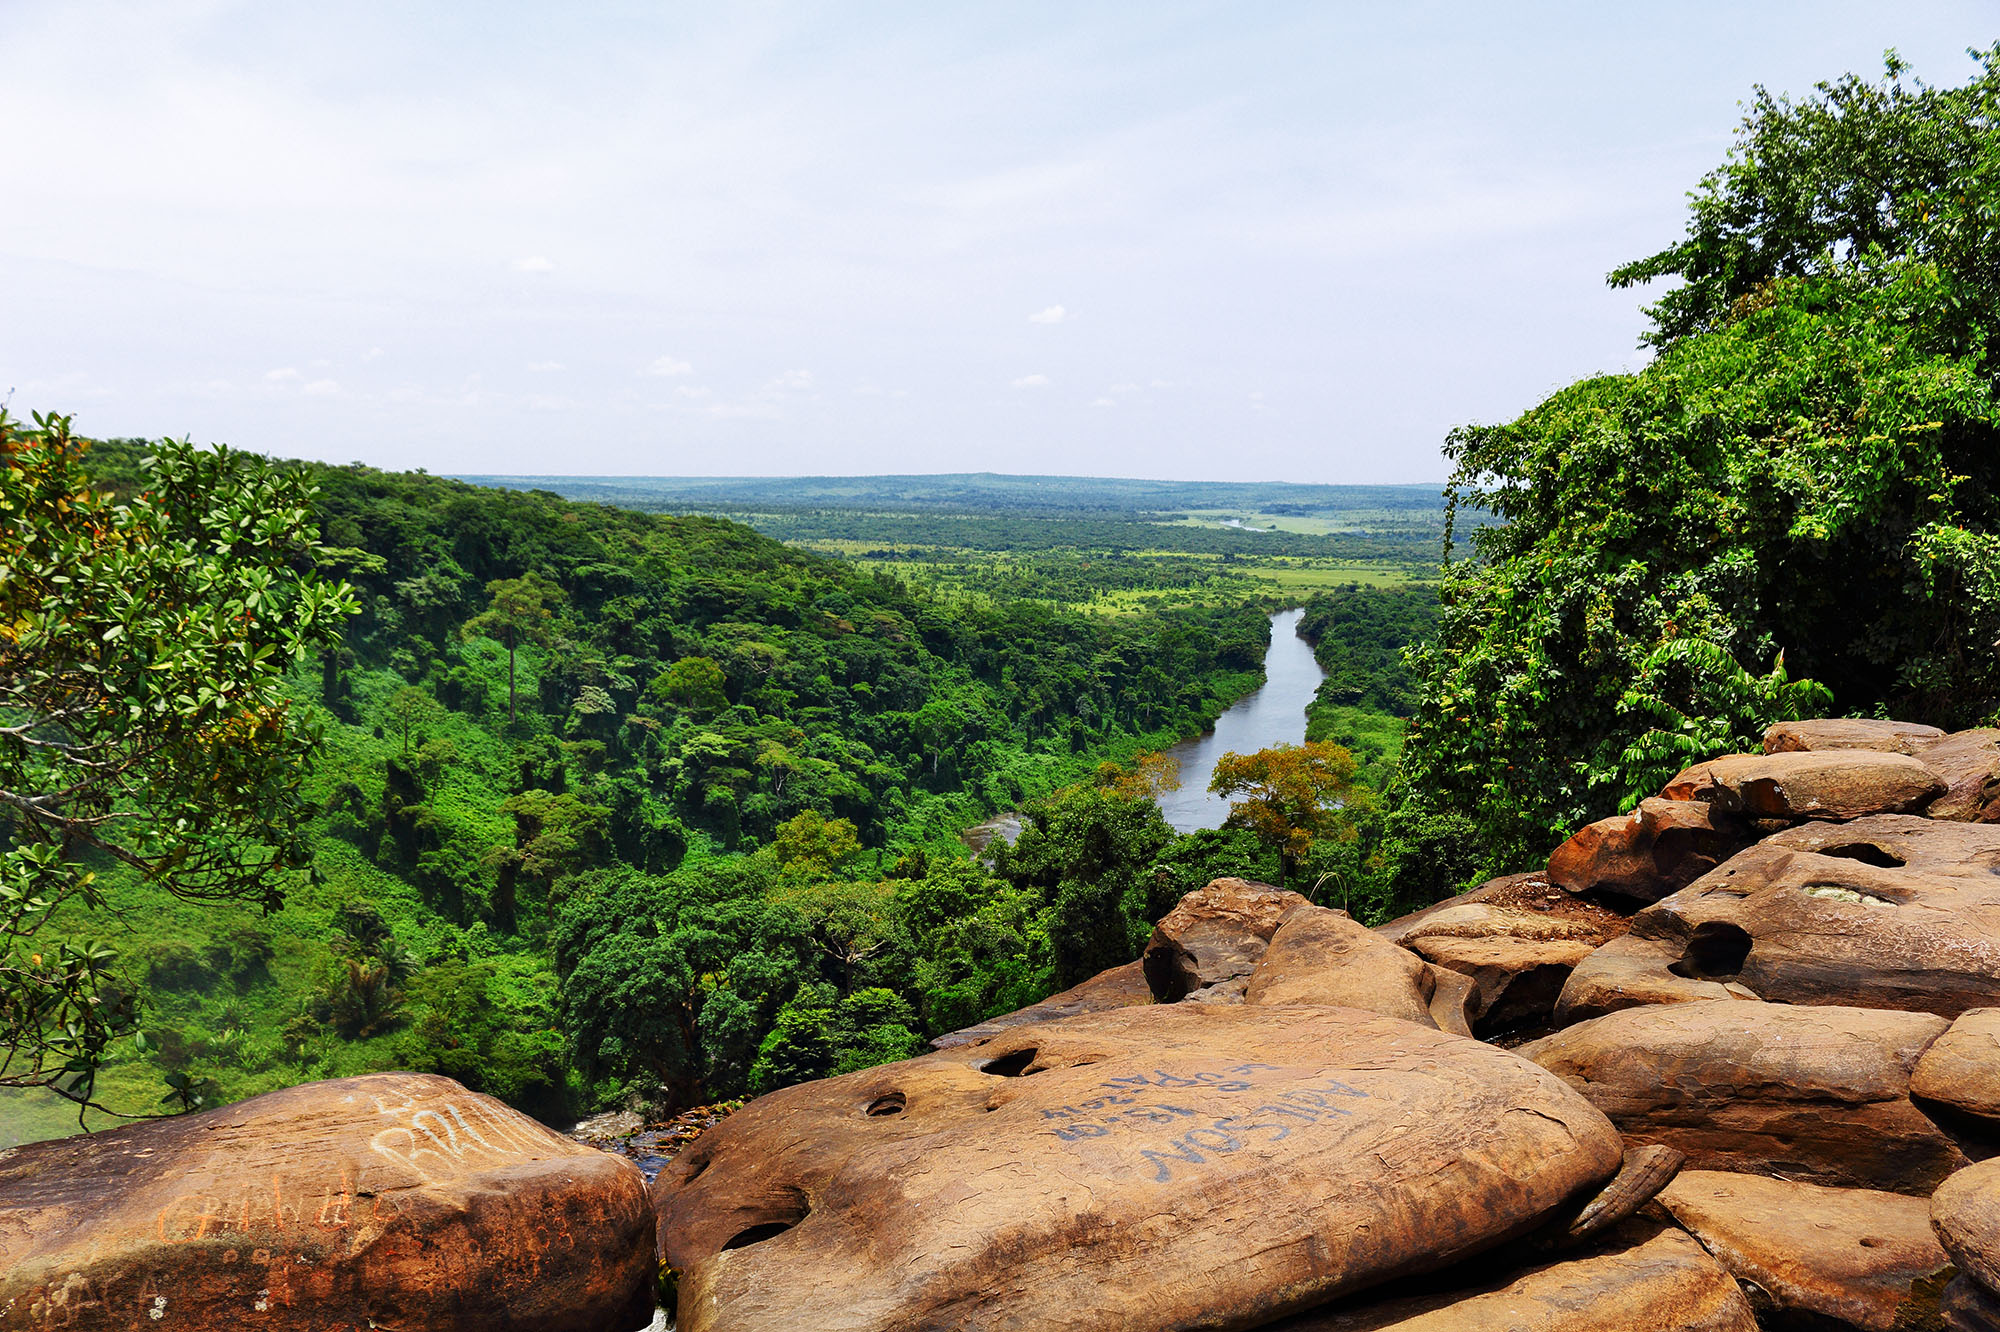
{"x":793,"y":381}
{"x":321,"y":388}
{"x":1055,"y":314}
{"x":1127,"y":387}
{"x":1104,"y":402}
{"x":666,"y":367}
{"x":732,"y":411}
{"x":1031,"y":381}
{"x":691,"y":391}
{"x":545,"y":367}
{"x":534,"y":263}
{"x":282,"y":374}
{"x":542,"y":402}
{"x":371,"y":354}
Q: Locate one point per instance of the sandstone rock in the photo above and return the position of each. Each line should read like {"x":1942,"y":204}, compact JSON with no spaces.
{"x":1451,"y":1001}
{"x":1656,"y":1280}
{"x":1814,"y":1094}
{"x":392,"y":1200}
{"x":1140,"y":1168}
{"x":1856,"y":1256}
{"x":1320,"y":956}
{"x":1824,"y":733}
{"x":1962,"y":1067}
{"x":1515,"y":982}
{"x":1890,"y":911}
{"x":1661,"y":846}
{"x":1120,"y":987}
{"x":1968,"y":763}
{"x":1634,"y":971}
{"x":1834,"y":784}
{"x":1968,"y":1306}
{"x":1519,"y":906}
{"x":1965,"y":1213}
{"x":1214,"y":934}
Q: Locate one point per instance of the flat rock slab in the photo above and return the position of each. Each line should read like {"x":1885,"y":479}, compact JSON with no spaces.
{"x":1890,"y":911}
{"x":1856,"y":1256}
{"x":1151,"y":1169}
{"x":1323,"y":957}
{"x":1656,"y":1279}
{"x":395,"y":1200}
{"x":1120,"y":987}
{"x":1214,"y":935}
{"x":1892,"y":737}
{"x":1962,"y":1067}
{"x":1518,"y":906}
{"x":1660,"y":847}
{"x":1835,"y":784}
{"x":1814,"y":1094}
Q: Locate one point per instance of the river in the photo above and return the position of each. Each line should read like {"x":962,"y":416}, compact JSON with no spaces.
{"x":1274,"y":714}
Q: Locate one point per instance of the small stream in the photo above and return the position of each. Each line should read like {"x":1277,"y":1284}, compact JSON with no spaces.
{"x":1274,"y":714}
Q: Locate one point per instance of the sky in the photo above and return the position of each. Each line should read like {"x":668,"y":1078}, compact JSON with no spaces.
{"x":1248,"y":241}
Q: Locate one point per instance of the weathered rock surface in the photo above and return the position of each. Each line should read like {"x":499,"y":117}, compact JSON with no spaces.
{"x":1968,"y":1306}
{"x":1515,"y":982}
{"x":1660,"y":847}
{"x":1451,"y":1001}
{"x":1635,"y":971}
{"x":1965,"y":1213}
{"x":1962,"y":1067}
{"x":1890,"y":911}
{"x":1320,"y":956}
{"x":1653,"y":1279}
{"x":1213,"y":935}
{"x":1519,"y":906}
{"x":392,"y":1200}
{"x":1968,"y":763}
{"x":1823,"y":733}
{"x":1859,"y":1257}
{"x":1147,"y":1168}
{"x":1120,"y":987}
{"x":1833,"y":784}
{"x":1815,"y":1094}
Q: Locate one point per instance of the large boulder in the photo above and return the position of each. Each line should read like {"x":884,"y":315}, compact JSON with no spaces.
{"x":1320,"y":956}
{"x":392,"y":1200}
{"x":1146,"y":1168}
{"x":1515,"y":982}
{"x":1120,"y":987}
{"x":1651,"y":1277}
{"x":1660,"y":847}
{"x":1820,"y":1095}
{"x":1890,"y":911}
{"x":1858,"y":1257}
{"x":1834,"y":784}
{"x":1968,"y":763}
{"x":1962,"y":1067}
{"x":1214,"y":937}
{"x":1823,"y":733}
{"x":1518,"y":906}
{"x":1965,"y":1213}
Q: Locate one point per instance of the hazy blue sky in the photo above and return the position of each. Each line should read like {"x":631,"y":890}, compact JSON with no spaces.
{"x":1232,"y":241}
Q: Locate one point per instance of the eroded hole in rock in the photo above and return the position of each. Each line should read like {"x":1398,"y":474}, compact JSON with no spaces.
{"x":758,"y":1234}
{"x":1867,"y":853}
{"x":1013,"y":1065}
{"x":892,"y":1104}
{"x":1716,"y":952}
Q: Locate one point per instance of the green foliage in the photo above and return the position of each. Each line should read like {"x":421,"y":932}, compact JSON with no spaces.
{"x":143,"y":719}
{"x":1292,"y":797}
{"x":1085,"y":850}
{"x":1792,"y":508}
{"x":820,"y":1034}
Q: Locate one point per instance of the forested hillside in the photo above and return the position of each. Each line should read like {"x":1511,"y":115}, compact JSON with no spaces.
{"x":616,"y":801}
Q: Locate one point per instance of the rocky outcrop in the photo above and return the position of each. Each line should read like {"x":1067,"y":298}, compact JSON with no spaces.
{"x":1890,"y":911}
{"x":1120,"y":987}
{"x":1822,"y":733}
{"x":1660,"y":847}
{"x":1653,"y":1277}
{"x":392,"y":1200}
{"x":1962,"y":1068}
{"x":1146,"y":1167}
{"x":1322,"y":957}
{"x":1820,"y":1095}
{"x":1859,"y":1258}
{"x":1968,"y":763}
{"x":1965,"y":1213}
{"x":1214,"y":936}
{"x":1515,"y":982}
{"x":1835,"y":784}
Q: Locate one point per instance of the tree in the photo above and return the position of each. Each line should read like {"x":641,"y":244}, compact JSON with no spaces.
{"x":521,"y":610}
{"x":143,"y":719}
{"x":694,"y":683}
{"x":1795,"y":504}
{"x":1086,"y":848}
{"x":1292,"y":796}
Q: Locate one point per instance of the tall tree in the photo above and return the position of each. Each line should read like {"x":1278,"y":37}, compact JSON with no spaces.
{"x":1291,"y":796}
{"x":143,"y":718}
{"x":521,"y":610}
